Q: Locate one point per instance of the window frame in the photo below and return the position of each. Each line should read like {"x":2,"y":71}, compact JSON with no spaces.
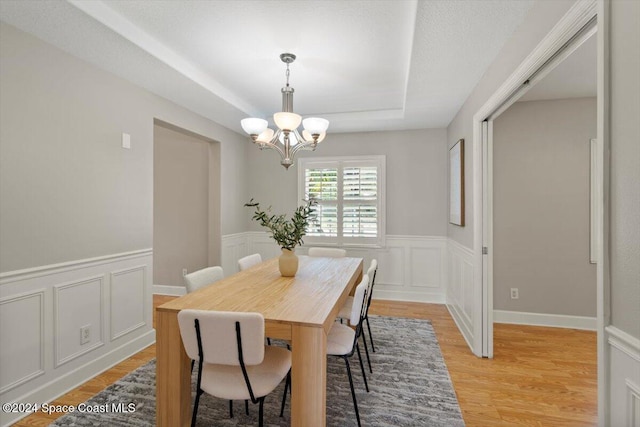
{"x":340,"y":163}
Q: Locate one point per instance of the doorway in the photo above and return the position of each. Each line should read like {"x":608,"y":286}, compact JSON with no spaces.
{"x":186,"y":206}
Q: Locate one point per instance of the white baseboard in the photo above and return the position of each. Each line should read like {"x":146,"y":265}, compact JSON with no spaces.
{"x":61,"y":385}
{"x":432,"y":298}
{"x":169,"y":290}
{"x":541,"y":319}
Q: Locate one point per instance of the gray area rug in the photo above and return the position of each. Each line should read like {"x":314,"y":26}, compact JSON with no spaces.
{"x":410,"y":386}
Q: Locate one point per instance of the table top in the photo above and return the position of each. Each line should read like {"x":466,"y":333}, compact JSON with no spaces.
{"x":306,"y":299}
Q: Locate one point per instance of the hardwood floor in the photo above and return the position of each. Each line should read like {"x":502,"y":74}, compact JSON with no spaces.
{"x":538,"y":377}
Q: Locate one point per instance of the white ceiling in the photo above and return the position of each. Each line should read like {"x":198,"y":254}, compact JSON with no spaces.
{"x":362,"y":64}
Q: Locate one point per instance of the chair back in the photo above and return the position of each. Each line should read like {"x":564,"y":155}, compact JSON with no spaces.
{"x":249,"y":261}
{"x":219,"y":337}
{"x":371,"y":272}
{"x":327,"y":252}
{"x":359,"y":296}
{"x":203,"y":277}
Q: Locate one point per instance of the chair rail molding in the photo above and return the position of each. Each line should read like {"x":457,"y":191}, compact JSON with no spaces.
{"x":108,"y":295}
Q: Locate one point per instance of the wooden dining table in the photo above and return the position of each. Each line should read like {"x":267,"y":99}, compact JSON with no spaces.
{"x":299,"y":309}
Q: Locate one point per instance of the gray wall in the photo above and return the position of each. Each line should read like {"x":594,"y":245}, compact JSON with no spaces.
{"x":68,"y":190}
{"x":416,"y":198}
{"x":541,"y":155}
{"x":181,"y":214}
{"x":625,"y":166}
{"x":539,"y":21}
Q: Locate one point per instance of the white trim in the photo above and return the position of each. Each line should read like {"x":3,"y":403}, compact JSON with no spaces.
{"x":543,"y":319}
{"x":57,"y":289}
{"x":633,"y":403}
{"x":30,"y":273}
{"x":65,"y":383}
{"x":340,"y":162}
{"x":112,"y":305}
{"x":624,"y":342}
{"x":169,"y":290}
{"x":41,"y":371}
{"x":425,"y":297}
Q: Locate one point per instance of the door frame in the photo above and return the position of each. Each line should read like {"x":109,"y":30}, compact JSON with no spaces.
{"x":551,"y":48}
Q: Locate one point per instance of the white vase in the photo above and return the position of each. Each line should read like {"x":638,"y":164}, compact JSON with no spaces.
{"x":288,"y":263}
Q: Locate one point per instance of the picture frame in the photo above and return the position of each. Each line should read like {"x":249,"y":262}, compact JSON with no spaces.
{"x":456,"y":183}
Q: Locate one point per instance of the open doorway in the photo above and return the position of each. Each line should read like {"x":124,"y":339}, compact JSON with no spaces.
{"x":543,"y":272}
{"x":186,"y":206}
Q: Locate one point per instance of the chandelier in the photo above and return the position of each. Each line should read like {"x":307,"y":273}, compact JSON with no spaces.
{"x":286,"y":140}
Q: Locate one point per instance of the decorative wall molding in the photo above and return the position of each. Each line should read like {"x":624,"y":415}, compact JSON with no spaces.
{"x":8,"y":369}
{"x":67,"y":323}
{"x":30,"y":273}
{"x":460,"y":288}
{"x":624,"y":378}
{"x":624,"y":342}
{"x":542,"y":319}
{"x":123,"y":303}
{"x":414,"y":266}
{"x":52,"y":303}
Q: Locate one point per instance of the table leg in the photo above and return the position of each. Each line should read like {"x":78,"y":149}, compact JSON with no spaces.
{"x":173,"y":378}
{"x":309,"y":377}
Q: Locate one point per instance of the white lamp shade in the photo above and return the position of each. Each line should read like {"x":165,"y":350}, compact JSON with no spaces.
{"x":308,"y":137}
{"x":287,"y":121}
{"x":315,"y":125}
{"x":253,"y":126}
{"x":265,"y":136}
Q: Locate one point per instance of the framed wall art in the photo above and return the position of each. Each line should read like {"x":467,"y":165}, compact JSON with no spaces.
{"x":456,"y":183}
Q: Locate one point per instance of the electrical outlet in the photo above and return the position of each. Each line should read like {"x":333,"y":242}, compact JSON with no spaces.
{"x":514,"y":293}
{"x":184,"y":272}
{"x":85,"y":334}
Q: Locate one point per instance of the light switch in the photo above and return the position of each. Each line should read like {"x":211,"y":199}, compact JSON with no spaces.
{"x":126,"y":140}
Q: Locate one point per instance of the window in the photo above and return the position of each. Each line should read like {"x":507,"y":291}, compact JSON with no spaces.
{"x":350,"y":195}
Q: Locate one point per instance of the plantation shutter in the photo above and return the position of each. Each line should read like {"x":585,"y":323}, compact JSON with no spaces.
{"x":321,"y":184}
{"x":360,"y":194}
{"x":349,"y":194}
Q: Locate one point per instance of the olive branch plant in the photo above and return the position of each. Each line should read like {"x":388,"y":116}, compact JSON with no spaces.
{"x":288,"y":233}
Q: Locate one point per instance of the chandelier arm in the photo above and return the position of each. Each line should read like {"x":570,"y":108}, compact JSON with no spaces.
{"x":302,"y":144}
{"x":273,"y":144}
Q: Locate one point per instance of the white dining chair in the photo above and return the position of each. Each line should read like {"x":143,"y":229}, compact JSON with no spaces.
{"x":327,"y":252}
{"x":342,"y":341}
{"x":204,"y":277}
{"x":233,"y":362}
{"x":345,"y":311}
{"x":249,"y":261}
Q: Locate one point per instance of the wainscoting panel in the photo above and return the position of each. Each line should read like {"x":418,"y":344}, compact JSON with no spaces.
{"x":460,"y":287}
{"x":234,"y":247}
{"x":127,"y":300}
{"x":624,"y":378}
{"x":70,"y":317}
{"x":411,"y":268}
{"x":43,"y":309}
{"x":22,"y":332}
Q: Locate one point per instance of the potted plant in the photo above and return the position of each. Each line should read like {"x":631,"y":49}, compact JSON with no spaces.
{"x":287,"y":232}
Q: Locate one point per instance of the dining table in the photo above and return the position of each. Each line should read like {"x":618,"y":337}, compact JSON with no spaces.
{"x":299,"y":309}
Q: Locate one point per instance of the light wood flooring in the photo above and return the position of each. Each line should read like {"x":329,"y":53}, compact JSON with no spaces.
{"x":538,"y":377}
